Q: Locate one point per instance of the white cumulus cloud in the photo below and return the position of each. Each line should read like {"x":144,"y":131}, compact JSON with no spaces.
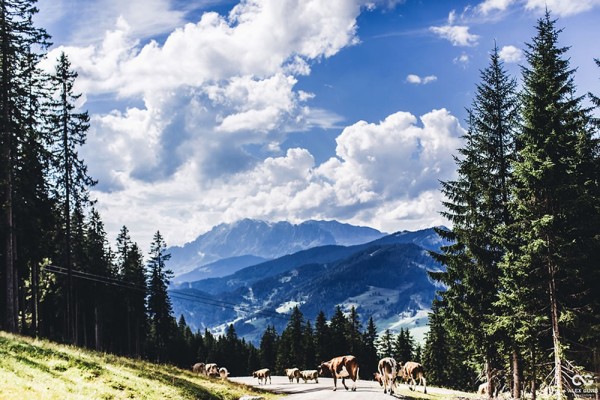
{"x":510,"y":54}
{"x":417,"y":80}
{"x":562,"y":8}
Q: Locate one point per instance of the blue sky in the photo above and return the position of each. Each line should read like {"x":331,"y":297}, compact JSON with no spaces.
{"x":210,"y":111}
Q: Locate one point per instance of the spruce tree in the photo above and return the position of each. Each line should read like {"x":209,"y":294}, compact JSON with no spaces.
{"x":269,"y":348}
{"x":554,"y":251}
{"x":68,"y":129}
{"x":160,"y":311}
{"x":338,"y":329}
{"x":368,"y":358}
{"x":477,"y":206}
{"x":21,"y":45}
{"x":404,"y":346}
{"x":322,"y":338}
{"x":385,"y":344}
{"x":291,"y":350}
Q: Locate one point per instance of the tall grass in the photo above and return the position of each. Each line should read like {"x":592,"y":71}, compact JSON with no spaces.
{"x":39,"y":369}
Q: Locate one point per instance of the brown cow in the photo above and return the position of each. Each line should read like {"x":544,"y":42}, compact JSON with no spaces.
{"x":262,"y":374}
{"x":341,"y":367}
{"x":388,"y":370}
{"x":198,"y":368}
{"x":293,"y":373}
{"x":412,"y":370}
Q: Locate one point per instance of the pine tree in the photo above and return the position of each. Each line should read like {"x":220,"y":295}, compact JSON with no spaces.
{"x":368,"y":358}
{"x":130,"y":268}
{"x":93,"y":294}
{"x":322,"y":339}
{"x":310,"y":358}
{"x":291,"y":351}
{"x":555,"y":206}
{"x":477,"y":205}
{"x":268,"y":348}
{"x":160,"y":311}
{"x":353,"y":334}
{"x":338,"y":329}
{"x":385,"y":344}
{"x":18,"y":39}
{"x":404,"y":346}
{"x":68,"y":128}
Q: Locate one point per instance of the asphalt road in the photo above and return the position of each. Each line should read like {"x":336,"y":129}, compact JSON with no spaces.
{"x":365,"y":390}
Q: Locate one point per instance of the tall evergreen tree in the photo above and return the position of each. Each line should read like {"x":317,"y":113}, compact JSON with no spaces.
{"x":94,"y":295}
{"x":20,"y":41}
{"x":160,"y":310}
{"x":130,"y":268}
{"x":369,"y":358}
{"x":556,"y":221}
{"x":291,"y":350}
{"x":385,"y":344}
{"x":268,"y":348}
{"x":338,"y":328}
{"x":477,"y":205}
{"x":322,"y":338}
{"x":354,"y":336}
{"x":404,"y":346}
{"x":68,"y":128}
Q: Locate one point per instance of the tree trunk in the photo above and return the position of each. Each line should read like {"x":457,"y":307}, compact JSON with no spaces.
{"x":516,"y":375}
{"x":97,"y":328}
{"x":555,"y":333}
{"x":490,"y":379}
{"x":533,"y":374}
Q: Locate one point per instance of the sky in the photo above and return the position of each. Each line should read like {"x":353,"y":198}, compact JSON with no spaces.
{"x":209,"y":111}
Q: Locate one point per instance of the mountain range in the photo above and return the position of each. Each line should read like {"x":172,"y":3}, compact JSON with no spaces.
{"x":238,"y":244}
{"x":384,"y":278}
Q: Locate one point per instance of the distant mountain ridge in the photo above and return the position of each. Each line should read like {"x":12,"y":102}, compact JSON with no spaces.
{"x":385,"y":279}
{"x":266,"y":240}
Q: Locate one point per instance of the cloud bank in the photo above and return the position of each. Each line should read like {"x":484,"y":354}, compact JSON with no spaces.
{"x":205,"y":111}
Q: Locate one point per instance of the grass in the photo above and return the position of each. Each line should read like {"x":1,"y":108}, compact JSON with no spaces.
{"x":39,"y":369}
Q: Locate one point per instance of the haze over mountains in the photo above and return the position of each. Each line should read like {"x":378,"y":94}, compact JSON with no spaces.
{"x":316,"y":265}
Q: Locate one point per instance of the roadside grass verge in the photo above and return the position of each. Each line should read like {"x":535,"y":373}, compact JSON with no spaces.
{"x":39,"y":369}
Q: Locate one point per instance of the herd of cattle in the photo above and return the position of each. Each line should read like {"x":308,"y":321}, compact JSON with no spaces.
{"x":343,"y":367}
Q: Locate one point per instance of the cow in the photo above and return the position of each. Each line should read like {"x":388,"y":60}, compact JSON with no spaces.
{"x":410,"y":371}
{"x":223,"y":373}
{"x":293,"y":373}
{"x":262,"y":374}
{"x":211,"y":370}
{"x":341,"y":367}
{"x":378,"y":378}
{"x":310,"y":374}
{"x":198,"y":368}
{"x":388,"y":370}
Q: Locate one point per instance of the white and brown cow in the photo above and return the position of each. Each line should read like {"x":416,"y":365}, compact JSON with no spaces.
{"x":211,"y":370}
{"x":198,"y":368}
{"x":310,"y":374}
{"x":413,"y":371}
{"x":387,"y":371}
{"x":341,"y":367}
{"x":262,"y":375}
{"x":223,"y":373}
{"x":293,"y":373}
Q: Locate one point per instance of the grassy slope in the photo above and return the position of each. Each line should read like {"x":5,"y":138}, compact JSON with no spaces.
{"x":38,"y":369}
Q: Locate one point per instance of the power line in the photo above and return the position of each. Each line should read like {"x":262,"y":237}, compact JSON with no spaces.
{"x":178,"y":295}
